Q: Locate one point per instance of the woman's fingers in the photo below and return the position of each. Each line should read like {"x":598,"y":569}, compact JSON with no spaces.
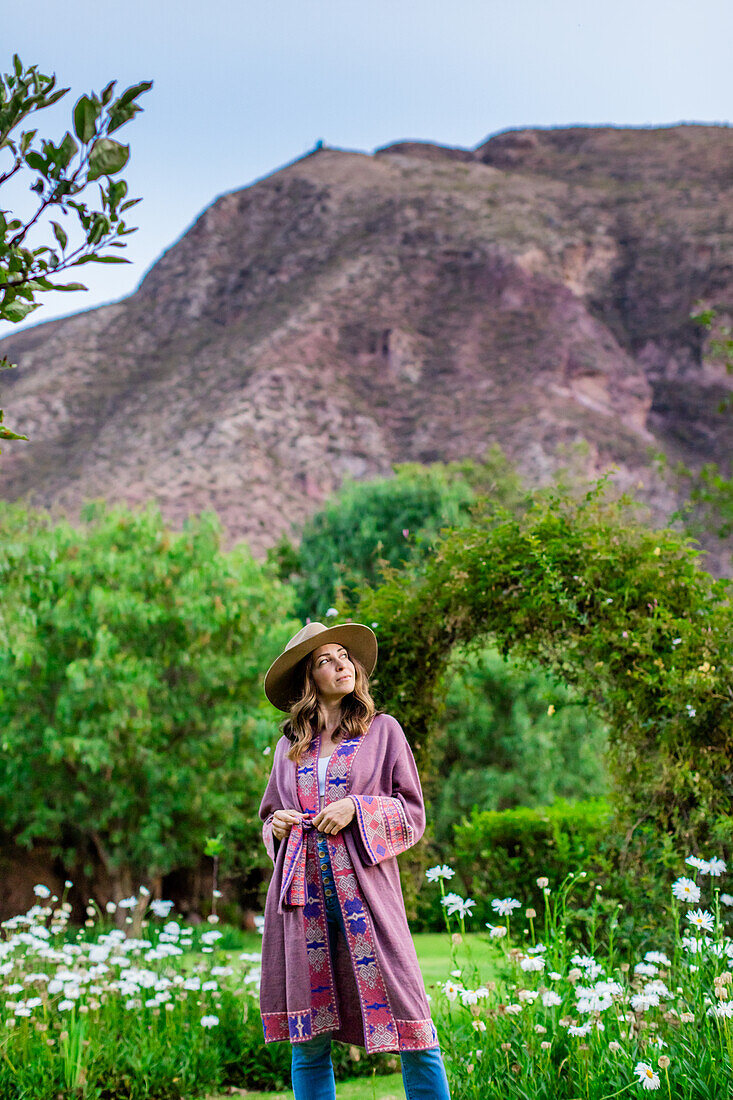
{"x":282,"y":822}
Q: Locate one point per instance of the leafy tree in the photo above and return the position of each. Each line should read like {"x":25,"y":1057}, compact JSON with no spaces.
{"x":132,"y":717}
{"x":511,"y":735}
{"x":620,"y":612}
{"x":369,"y":526}
{"x":62,"y":173}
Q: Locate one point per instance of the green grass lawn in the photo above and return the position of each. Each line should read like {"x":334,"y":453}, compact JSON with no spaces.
{"x":434,"y":955}
{"x":364,"y":1088}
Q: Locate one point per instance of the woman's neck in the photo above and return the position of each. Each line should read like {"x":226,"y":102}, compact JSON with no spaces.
{"x":332,"y":719}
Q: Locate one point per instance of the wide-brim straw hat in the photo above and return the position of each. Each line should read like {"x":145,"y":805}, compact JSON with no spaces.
{"x":283,"y":679}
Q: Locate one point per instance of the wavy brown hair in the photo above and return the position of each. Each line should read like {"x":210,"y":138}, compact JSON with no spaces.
{"x":307,"y":718}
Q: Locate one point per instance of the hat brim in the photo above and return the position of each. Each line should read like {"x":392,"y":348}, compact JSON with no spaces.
{"x":281,"y":681}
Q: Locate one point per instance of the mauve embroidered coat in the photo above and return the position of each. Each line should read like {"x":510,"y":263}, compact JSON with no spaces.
{"x":375,"y":996}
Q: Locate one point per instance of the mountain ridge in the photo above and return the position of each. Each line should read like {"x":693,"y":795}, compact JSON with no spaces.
{"x":421,"y":303}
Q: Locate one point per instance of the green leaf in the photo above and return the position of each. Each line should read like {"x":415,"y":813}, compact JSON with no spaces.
{"x":55,"y":97}
{"x":6,"y":433}
{"x":69,"y":286}
{"x":66,"y":150}
{"x":106,"y":158}
{"x":35,"y":161}
{"x":25,"y":140}
{"x":108,"y":91}
{"x":86,"y":113}
{"x":118,"y":116}
{"x":94,"y":259}
{"x":16,"y":310}
{"x":60,"y":235}
{"x":110,"y":260}
{"x":133,"y":92}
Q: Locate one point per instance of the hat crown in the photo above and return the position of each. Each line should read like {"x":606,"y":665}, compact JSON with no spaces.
{"x":310,"y":630}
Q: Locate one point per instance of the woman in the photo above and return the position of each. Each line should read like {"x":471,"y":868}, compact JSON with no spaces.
{"x":343,"y":800}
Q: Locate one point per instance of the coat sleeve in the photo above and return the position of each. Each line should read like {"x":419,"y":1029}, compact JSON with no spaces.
{"x":271,"y":801}
{"x":388,"y":824}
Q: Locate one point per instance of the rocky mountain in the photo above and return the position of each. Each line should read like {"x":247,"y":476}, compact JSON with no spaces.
{"x":351,"y":311}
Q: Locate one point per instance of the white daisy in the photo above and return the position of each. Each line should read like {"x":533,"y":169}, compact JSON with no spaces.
{"x":504,"y":906}
{"x":496,"y":931}
{"x":684,"y":889}
{"x":647,"y":1077}
{"x":581,"y":1029}
{"x":701,"y":919}
{"x":435,"y":873}
{"x":458,"y":905}
{"x":532,"y":964}
{"x":450,"y":900}
{"x":657,"y":957}
{"x":594,"y":1002}
{"x":657,"y":987}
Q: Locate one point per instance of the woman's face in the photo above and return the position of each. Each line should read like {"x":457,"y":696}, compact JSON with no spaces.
{"x":333,"y":673}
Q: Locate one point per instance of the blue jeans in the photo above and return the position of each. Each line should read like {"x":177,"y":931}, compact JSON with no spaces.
{"x":423,"y":1072}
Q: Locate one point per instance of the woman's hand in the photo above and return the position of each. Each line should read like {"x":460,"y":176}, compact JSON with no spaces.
{"x":333,"y":818}
{"x":283,"y":821}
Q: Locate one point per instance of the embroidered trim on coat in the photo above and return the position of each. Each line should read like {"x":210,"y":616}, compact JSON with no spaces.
{"x":383,"y":826}
{"x":417,"y":1034}
{"x":380,"y":1030}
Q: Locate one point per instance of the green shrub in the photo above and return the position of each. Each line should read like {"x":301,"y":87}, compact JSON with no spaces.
{"x":501,"y":853}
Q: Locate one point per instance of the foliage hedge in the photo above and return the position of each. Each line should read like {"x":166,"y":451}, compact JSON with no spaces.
{"x":499,"y":854}
{"x":502,"y":853}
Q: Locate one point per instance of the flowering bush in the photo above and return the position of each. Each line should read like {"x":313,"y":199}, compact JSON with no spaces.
{"x":164,"y":1014}
{"x":560,"y":1024}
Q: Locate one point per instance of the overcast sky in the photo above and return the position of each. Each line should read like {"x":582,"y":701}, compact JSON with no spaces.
{"x":243,"y":87}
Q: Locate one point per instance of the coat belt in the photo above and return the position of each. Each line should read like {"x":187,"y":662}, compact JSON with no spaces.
{"x":292,"y":891}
